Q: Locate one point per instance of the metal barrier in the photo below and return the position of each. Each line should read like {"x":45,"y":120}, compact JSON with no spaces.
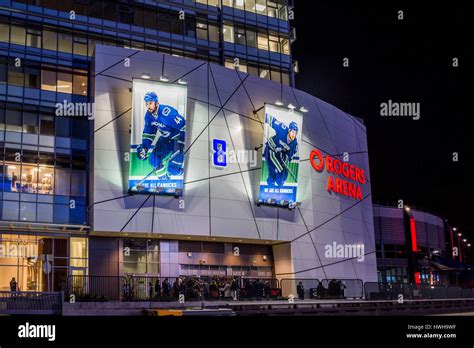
{"x":343,"y":288}
{"x":259,"y":288}
{"x":391,"y":291}
{"x":96,"y":288}
{"x":25,"y":302}
{"x":301,"y":288}
{"x":149,"y":288}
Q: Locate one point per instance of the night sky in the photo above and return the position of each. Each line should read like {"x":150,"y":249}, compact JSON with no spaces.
{"x":403,"y":61}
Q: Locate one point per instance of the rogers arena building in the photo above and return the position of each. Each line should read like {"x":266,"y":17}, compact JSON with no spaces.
{"x":236,"y":196}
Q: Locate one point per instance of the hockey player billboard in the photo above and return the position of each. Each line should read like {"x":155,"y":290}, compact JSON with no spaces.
{"x":157,"y":138}
{"x":280,"y":162}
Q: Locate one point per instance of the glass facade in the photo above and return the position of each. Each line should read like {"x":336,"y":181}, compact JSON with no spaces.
{"x":46,"y":53}
{"x":40,"y":262}
{"x":141,"y":256}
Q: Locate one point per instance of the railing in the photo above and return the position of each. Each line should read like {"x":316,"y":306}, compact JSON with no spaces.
{"x":95,"y":288}
{"x":323,"y":289}
{"x":149,"y":288}
{"x":309,"y":288}
{"x":394,"y":291}
{"x":25,"y":302}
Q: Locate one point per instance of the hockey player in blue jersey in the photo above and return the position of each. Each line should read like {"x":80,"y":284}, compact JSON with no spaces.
{"x":164,"y":134}
{"x":280,"y":150}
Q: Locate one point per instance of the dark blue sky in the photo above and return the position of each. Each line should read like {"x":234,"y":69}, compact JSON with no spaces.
{"x":404,"y":61}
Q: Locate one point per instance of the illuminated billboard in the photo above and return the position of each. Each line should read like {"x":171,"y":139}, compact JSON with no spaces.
{"x":280,"y":159}
{"x":157,"y":138}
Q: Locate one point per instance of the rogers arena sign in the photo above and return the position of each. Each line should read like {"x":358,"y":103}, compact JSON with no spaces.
{"x":345,"y":170}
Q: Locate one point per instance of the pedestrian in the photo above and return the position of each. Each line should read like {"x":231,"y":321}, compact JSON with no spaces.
{"x":300,"y":291}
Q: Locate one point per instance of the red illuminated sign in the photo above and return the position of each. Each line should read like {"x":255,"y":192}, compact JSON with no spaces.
{"x":342,"y":169}
{"x":414,"y":245}
{"x":417,"y":278}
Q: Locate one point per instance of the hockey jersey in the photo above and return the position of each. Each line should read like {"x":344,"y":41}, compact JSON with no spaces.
{"x":167,"y":121}
{"x":281,"y":149}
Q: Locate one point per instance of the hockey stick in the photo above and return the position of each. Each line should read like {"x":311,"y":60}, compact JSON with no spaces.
{"x":163,"y":165}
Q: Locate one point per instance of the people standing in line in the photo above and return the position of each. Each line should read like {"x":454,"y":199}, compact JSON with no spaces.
{"x":234,"y":288}
{"x":226,"y":291}
{"x":166,"y":288}
{"x":13,"y":287}
{"x":158,"y":289}
{"x":176,"y":287}
{"x":266,"y":289}
{"x":320,"y":290}
{"x":206,"y":290}
{"x":300,"y":290}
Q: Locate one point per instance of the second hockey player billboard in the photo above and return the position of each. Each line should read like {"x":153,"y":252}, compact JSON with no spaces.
{"x":157,"y":138}
{"x":280,"y":162}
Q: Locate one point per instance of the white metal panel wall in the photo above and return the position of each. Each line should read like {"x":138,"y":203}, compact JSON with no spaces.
{"x":220,"y":105}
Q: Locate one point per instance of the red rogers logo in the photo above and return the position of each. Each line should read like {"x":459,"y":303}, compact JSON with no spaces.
{"x":336,"y":166}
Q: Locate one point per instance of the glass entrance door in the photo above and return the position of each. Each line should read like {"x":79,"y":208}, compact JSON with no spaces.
{"x":78,"y":280}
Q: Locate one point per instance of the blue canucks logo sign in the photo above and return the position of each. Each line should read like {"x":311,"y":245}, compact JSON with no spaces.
{"x":219,"y":153}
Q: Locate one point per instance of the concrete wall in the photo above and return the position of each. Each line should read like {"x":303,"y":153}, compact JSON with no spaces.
{"x":224,"y":206}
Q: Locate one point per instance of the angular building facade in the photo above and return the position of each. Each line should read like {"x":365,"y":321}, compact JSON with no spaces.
{"x":219,"y":210}
{"x":65,"y":206}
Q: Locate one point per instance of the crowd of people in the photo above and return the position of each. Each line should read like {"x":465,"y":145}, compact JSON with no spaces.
{"x":197,"y":288}
{"x":335,"y":289}
{"x":221,"y":288}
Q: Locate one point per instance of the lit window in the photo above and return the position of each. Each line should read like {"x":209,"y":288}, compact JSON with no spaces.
{"x":50,"y":40}
{"x":228,"y":33}
{"x":265,"y":74}
{"x":4,"y":32}
{"x":229,"y":64}
{"x":272,"y":9}
{"x":79,"y":84}
{"x":201,"y":31}
{"x":250,"y":5}
{"x":48,"y":80}
{"x":29,"y":178}
{"x":33,"y":38}
{"x":64,"y":82}
{"x":239,"y":4}
{"x":18,"y":35}
{"x":65,"y":43}
{"x":240,"y":36}
{"x":262,"y":42}
{"x":261,"y":7}
{"x":242,"y":67}
{"x":213,"y":33}
{"x":285,"y":46}
{"x":273,"y":43}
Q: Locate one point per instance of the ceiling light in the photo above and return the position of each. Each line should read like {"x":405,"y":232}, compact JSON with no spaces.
{"x":146,"y":76}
